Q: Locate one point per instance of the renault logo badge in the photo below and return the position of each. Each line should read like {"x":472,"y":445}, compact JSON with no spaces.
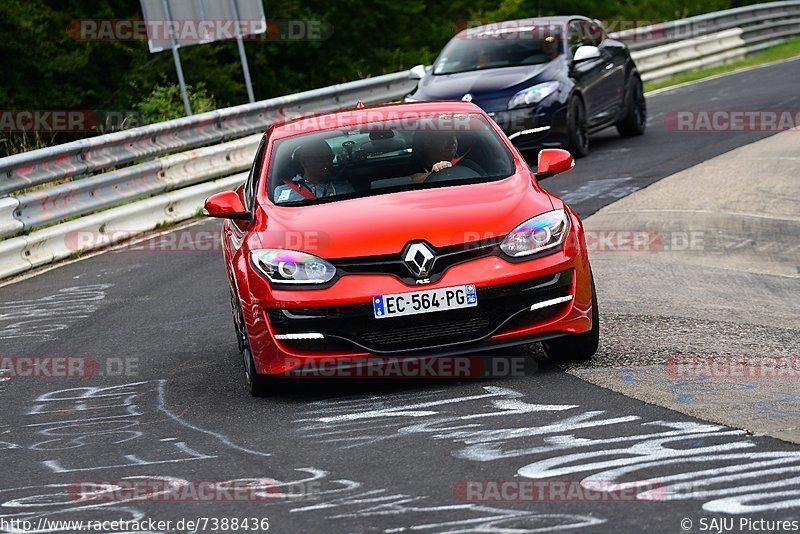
{"x":419,"y":259}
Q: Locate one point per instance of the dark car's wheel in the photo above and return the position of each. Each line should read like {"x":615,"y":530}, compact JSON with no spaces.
{"x":259,"y":385}
{"x":577,"y":347}
{"x":635,"y":120}
{"x":577,"y":128}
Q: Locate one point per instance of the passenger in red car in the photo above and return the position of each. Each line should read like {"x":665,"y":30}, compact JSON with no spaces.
{"x":316,"y":160}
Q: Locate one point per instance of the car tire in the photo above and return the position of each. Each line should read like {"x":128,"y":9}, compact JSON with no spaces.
{"x":577,"y":128}
{"x":635,"y":120}
{"x":238,"y":322}
{"x":576,"y":347}
{"x":257,"y":384}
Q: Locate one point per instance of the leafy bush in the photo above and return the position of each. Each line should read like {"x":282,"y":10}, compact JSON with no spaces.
{"x":165,"y":102}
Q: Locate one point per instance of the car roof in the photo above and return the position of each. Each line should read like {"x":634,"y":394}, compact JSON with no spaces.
{"x":502,"y":26}
{"x":359,"y":116}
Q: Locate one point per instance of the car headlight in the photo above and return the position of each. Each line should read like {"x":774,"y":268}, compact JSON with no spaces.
{"x":532,"y":95}
{"x":543,"y":232}
{"x":292,"y":267}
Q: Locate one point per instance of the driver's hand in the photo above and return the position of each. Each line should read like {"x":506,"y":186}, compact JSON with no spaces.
{"x":441,"y":165}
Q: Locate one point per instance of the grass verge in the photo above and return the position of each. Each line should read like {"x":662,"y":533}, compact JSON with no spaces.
{"x":786,"y":50}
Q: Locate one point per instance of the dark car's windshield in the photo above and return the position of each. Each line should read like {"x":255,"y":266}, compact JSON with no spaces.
{"x":385,"y":156}
{"x":488,"y":50}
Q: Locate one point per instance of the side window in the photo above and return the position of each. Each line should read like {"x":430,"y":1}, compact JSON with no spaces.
{"x":575,"y":35}
{"x":251,"y":185}
{"x":595,"y":34}
{"x":582,"y":32}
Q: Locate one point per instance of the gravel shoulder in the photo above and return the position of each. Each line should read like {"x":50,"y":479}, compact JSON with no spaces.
{"x":705,"y":317}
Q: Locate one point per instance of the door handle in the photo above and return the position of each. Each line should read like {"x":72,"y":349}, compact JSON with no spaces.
{"x":609,"y":66}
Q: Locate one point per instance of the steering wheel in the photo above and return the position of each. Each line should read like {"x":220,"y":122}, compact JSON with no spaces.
{"x":456,"y":172}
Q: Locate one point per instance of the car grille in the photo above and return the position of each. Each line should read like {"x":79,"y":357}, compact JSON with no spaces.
{"x":393,"y":264}
{"x":355,"y":325}
{"x":423,"y":333}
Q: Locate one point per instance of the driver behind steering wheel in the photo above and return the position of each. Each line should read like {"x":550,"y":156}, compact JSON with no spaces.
{"x":435,"y":150}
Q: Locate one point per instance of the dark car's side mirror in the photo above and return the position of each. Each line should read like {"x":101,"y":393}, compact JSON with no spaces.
{"x":586,"y":53}
{"x":226,"y":205}
{"x":553,"y":161}
{"x":417,"y":73}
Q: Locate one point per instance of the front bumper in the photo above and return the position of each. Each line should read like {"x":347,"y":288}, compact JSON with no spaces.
{"x":355,"y":328}
{"x":341,"y":316}
{"x":543,"y":125}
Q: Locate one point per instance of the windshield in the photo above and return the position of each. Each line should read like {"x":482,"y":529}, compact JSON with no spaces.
{"x":386,"y":156}
{"x":492,"y":51}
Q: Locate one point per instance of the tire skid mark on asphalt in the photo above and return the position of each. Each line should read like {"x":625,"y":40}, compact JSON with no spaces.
{"x":66,"y":419}
{"x":711,"y":460}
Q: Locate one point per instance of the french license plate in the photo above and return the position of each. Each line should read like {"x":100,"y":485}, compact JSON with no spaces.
{"x":427,"y":301}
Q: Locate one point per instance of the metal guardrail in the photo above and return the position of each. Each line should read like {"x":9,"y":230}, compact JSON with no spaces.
{"x":94,"y":193}
{"x":136,"y":164}
{"x":41,"y":166}
{"x":708,"y":23}
{"x":666,"y":60}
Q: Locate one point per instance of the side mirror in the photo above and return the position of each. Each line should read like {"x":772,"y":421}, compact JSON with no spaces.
{"x":226,"y":205}
{"x":585,"y":53}
{"x":417,"y":73}
{"x":553,"y":161}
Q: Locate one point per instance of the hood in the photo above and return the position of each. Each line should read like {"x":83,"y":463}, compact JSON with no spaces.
{"x":383,"y":224}
{"x":485,"y":83}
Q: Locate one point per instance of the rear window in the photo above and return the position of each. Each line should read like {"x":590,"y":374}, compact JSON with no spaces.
{"x":387,"y":156}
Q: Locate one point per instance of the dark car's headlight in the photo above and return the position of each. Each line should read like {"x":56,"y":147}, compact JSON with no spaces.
{"x":544,"y":232}
{"x":532,"y":95}
{"x":292,"y":267}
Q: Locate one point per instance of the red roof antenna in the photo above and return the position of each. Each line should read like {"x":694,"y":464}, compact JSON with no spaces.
{"x":360,"y":105}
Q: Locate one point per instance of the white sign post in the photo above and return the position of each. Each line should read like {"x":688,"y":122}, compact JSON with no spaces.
{"x":162,"y":17}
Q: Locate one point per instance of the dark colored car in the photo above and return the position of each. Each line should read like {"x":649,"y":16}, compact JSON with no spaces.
{"x":546,"y":81}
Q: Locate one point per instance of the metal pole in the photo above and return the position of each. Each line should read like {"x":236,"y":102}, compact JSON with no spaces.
{"x":176,"y":58}
{"x":242,"y":54}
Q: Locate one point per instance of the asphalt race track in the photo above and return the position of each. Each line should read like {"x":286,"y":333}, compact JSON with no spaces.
{"x":366,"y":455}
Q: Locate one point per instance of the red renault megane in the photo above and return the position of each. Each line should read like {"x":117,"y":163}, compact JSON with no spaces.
{"x":407,"y":230}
